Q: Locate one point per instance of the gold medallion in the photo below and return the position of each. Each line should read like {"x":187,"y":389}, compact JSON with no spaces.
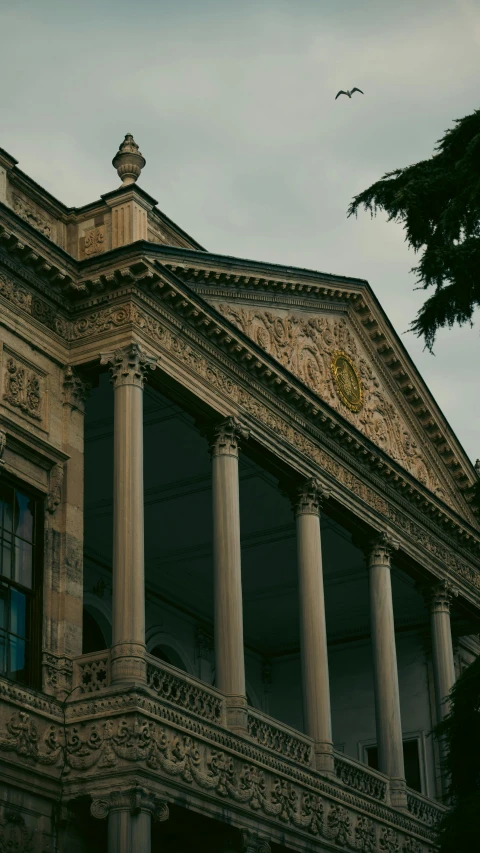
{"x":347,"y":381}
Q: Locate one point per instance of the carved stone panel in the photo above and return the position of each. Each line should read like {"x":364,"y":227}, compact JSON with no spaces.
{"x":36,"y":217}
{"x":23,"y":387}
{"x":325,"y":354}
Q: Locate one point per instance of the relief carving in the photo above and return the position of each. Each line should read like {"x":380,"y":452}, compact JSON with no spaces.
{"x":29,"y":213}
{"x":23,"y":387}
{"x":14,"y":835}
{"x":94,"y":240}
{"x":324,"y":354}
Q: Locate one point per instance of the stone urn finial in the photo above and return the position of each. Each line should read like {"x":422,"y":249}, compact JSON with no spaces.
{"x":128,"y":161}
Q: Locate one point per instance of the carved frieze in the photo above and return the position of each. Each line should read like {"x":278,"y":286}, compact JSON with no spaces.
{"x":31,"y":214}
{"x":325,"y":355}
{"x":23,"y":386}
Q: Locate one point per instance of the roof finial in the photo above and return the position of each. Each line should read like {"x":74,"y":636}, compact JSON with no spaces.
{"x":128,"y":161}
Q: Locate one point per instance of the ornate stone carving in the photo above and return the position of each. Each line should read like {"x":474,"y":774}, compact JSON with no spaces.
{"x":28,"y":212}
{"x":423,"y":809}
{"x":129,"y":365}
{"x":227,"y":436}
{"x":55,"y":488}
{"x":311,"y":348}
{"x":94,"y":240}
{"x":365,"y":835}
{"x":57,"y":674}
{"x":128,"y":161}
{"x":185,"y":693}
{"x":381,"y":549}
{"x":309,"y":498}
{"x":23,"y":387}
{"x":92,"y":673}
{"x":75,"y":389}
{"x":278,"y":739}
{"x":23,"y":739}
{"x":14,"y":835}
{"x":360,"y":779}
{"x":134,"y":800}
{"x":252,"y":843}
{"x":440,"y":596}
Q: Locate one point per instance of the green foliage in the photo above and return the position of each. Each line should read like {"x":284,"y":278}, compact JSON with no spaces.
{"x":438,"y":203}
{"x":460,"y":732}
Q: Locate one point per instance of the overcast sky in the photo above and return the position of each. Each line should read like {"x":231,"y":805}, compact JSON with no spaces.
{"x":232,"y":104}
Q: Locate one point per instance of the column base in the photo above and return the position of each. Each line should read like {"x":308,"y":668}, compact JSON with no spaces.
{"x":237,"y":714}
{"x":128,"y":664}
{"x":323,"y":758}
{"x":398,"y":794}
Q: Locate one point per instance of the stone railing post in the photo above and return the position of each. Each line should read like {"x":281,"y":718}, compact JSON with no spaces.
{"x":129,"y":814}
{"x":313,"y":631}
{"x":128,"y":368}
{"x":387,"y":694}
{"x":228,"y":607}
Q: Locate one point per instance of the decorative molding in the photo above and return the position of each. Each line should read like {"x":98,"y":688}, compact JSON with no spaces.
{"x":380,"y":550}
{"x":252,"y":843}
{"x":75,"y":389}
{"x":30,"y":213}
{"x":23,"y":386}
{"x":134,"y":799}
{"x":440,"y":596}
{"x":274,"y":736}
{"x":183,"y":691}
{"x":310,"y":497}
{"x":227,"y":436}
{"x":94,"y":240}
{"x":129,"y":365}
{"x":54,"y":495}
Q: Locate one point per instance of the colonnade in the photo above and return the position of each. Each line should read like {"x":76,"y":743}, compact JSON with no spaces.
{"x":128,"y":368}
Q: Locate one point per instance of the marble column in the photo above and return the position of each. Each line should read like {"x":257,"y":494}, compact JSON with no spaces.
{"x":387,"y":695}
{"x":129,"y":813}
{"x":228,"y":609}
{"x":440,"y":598}
{"x":313,"y":632}
{"x":128,"y":368}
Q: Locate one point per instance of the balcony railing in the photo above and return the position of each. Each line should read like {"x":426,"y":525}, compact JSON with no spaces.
{"x":354,"y":774}
{"x":185,"y":691}
{"x":280,"y":738}
{"x":423,"y":809}
{"x":91,"y":672}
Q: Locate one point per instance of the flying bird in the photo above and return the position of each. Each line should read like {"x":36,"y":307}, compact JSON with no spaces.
{"x":350,"y":93}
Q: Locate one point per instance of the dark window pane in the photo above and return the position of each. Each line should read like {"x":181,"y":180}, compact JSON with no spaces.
{"x":6,"y":559}
{"x":18,"y":611}
{"x":93,"y":639}
{"x":23,"y":562}
{"x":3,"y":650}
{"x":6,"y":508}
{"x":24,"y":517}
{"x":372,"y":757}
{"x":412,"y":765}
{"x":17,"y":658}
{"x":3,"y":606}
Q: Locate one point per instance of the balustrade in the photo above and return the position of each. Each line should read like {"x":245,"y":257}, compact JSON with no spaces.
{"x":91,"y":672}
{"x":354,"y":774}
{"x":185,"y":691}
{"x":280,"y":738}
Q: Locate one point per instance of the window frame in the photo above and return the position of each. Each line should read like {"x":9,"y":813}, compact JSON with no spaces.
{"x":419,"y":737}
{"x":33,"y":594}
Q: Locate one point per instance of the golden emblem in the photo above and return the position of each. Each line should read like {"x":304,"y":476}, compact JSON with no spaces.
{"x":347,"y":381}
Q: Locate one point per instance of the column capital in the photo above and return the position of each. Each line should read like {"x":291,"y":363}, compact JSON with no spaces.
{"x":439,"y":596}
{"x":252,"y":843}
{"x":75,"y":389}
{"x":380,"y":549}
{"x":227,"y":436}
{"x":309,"y":497}
{"x":129,"y":365}
{"x":134,"y":800}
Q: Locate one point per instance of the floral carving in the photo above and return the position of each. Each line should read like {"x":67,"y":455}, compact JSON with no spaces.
{"x":75,"y":390}
{"x":182,"y":692}
{"x":22,"y":388}
{"x":361,"y":779}
{"x":23,"y":739}
{"x":227,"y":437}
{"x":129,"y":366}
{"x":389,"y":842}
{"x":309,"y":498}
{"x":307,"y":347}
{"x":94,"y":240}
{"x":281,"y":741}
{"x":30,"y":214}
{"x":365,"y":835}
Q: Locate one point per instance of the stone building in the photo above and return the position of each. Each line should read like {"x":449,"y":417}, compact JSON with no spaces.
{"x":239,"y":566}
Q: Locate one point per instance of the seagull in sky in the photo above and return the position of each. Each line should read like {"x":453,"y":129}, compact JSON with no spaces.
{"x":349,"y":93}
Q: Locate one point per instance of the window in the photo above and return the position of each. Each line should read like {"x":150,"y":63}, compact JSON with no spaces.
{"x":19,"y":587}
{"x":411,"y":758}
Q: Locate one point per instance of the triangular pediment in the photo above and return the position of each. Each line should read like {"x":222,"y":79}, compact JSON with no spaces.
{"x":327,"y":350}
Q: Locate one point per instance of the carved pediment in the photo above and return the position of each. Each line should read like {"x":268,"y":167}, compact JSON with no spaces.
{"x":326,"y":353}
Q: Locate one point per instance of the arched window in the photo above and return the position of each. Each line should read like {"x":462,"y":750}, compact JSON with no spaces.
{"x":93,"y":638}
{"x":168,"y":655}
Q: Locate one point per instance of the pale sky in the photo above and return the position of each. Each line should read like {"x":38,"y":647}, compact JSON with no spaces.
{"x":232,"y":104}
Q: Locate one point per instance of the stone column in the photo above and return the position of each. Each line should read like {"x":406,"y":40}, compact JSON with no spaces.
{"x":229,"y":656}
{"x":128,"y":367}
{"x":129,"y":814}
{"x":313,"y":632}
{"x":387,"y":695}
{"x":440,"y":598}
{"x":251,"y":842}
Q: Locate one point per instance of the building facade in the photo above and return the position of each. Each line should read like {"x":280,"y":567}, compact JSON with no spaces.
{"x":239,"y":567}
